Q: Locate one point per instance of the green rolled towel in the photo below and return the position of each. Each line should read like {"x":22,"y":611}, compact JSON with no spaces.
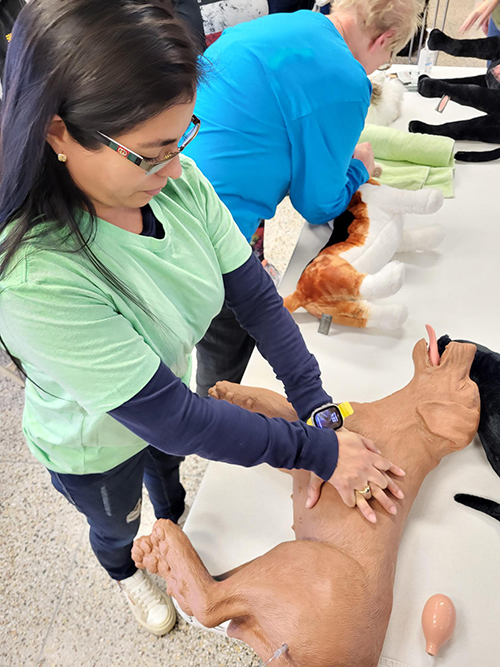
{"x":412,"y":161}
{"x":408,"y":176}
{"x":396,"y":146}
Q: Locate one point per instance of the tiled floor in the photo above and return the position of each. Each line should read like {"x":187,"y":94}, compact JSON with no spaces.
{"x":58,"y":607}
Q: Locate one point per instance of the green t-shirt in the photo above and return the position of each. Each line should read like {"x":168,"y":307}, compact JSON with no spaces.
{"x":85,"y":343}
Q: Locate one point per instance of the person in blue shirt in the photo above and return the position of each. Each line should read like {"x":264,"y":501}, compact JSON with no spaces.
{"x":282,"y":106}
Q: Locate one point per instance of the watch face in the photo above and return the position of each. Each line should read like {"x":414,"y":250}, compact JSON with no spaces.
{"x":328,"y":418}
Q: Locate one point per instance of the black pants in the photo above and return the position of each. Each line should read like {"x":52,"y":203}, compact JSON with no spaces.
{"x":224,"y":352}
{"x":111,"y":502}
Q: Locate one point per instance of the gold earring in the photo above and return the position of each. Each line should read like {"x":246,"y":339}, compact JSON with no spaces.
{"x":61,"y":157}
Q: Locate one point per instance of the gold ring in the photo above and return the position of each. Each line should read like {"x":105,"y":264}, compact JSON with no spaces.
{"x":366,"y":492}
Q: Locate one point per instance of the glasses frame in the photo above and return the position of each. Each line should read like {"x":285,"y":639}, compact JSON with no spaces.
{"x":139,"y":160}
{"x":387,"y":65}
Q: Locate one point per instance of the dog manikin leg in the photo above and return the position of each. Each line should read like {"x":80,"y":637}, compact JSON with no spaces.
{"x":385,"y":282}
{"x":362,"y":314}
{"x":420,"y":202}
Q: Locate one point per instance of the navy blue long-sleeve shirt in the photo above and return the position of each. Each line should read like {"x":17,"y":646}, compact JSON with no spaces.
{"x":169,"y":416}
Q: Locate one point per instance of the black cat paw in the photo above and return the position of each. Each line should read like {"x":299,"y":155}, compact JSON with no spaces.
{"x":438,"y":40}
{"x":417,"y":127}
{"x":428,"y":87}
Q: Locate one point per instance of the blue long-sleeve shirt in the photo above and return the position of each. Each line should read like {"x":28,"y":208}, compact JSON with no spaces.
{"x":282,"y":109}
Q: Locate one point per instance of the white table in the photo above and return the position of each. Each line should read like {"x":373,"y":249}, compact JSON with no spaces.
{"x":446,"y":548}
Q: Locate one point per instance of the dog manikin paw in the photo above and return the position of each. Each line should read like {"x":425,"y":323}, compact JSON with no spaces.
{"x":387,"y":316}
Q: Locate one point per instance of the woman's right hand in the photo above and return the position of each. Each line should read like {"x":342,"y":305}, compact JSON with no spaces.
{"x":364,"y":152}
{"x":480,"y":16}
{"x":360,"y":463}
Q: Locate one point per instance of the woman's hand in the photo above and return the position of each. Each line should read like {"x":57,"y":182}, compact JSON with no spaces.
{"x":360,"y":464}
{"x":364,"y":152}
{"x":480,"y":16}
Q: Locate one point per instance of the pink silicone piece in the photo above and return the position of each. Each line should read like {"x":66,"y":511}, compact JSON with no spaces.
{"x":433,"y":348}
{"x":438,"y":622}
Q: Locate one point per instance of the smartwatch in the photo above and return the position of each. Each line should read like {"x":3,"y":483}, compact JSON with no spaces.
{"x":330,"y":415}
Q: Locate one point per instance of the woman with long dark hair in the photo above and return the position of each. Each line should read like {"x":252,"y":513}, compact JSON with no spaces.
{"x":115,"y":255}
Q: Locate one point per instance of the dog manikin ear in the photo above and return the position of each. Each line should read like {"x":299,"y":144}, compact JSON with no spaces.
{"x":450,"y":421}
{"x":420,"y":356}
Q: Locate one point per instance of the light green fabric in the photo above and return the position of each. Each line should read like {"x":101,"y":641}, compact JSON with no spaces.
{"x":89,"y":346}
{"x":412,"y":161}
{"x":407,"y":176}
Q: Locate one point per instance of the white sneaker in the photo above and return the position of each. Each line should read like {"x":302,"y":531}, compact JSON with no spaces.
{"x":152,"y":608}
{"x":183,"y":517}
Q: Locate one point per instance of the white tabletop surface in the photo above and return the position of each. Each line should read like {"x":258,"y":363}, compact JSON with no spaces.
{"x":446,"y":548}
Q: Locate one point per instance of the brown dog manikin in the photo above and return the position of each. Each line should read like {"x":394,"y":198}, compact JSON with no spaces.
{"x":328,"y":595}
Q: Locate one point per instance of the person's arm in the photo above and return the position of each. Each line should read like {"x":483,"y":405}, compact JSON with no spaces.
{"x":251,"y":294}
{"x":266,"y":312}
{"x":288,"y":6}
{"x":480,"y":17}
{"x":324,"y":173}
{"x":75,"y":345}
{"x":173,"y":419}
{"x":166,"y":414}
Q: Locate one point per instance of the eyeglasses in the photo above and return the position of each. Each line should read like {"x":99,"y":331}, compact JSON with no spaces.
{"x":388,"y":65}
{"x":152,"y":165}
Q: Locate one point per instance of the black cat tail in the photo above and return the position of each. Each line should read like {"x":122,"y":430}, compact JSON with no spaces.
{"x":478,"y":156}
{"x":481,"y":504}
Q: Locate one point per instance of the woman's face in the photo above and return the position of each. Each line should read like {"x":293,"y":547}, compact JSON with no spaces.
{"x":108,"y":178}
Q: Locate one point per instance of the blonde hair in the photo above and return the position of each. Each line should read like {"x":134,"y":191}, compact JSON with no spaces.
{"x":378,"y":16}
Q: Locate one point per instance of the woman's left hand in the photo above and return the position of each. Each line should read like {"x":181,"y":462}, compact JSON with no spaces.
{"x":316,"y":483}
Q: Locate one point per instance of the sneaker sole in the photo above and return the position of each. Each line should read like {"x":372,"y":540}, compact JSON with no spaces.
{"x":168,"y":624}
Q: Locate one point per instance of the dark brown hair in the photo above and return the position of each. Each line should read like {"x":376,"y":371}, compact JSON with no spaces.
{"x":101,"y":65}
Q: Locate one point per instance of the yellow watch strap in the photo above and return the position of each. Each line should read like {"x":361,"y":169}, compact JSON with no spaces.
{"x":345,"y":409}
